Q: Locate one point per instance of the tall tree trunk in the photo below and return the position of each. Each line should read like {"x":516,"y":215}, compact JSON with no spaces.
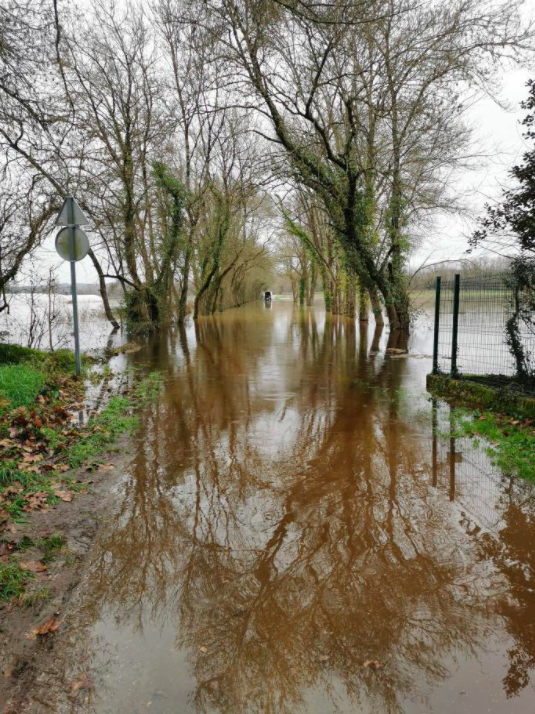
{"x":183,"y":298}
{"x":327,"y":290}
{"x":208,"y":280}
{"x":376,"y":340}
{"x":129,"y":217}
{"x":312,"y":281}
{"x":337,"y":306}
{"x":399,"y":294}
{"x":364,"y":304}
{"x":350,"y":297}
{"x":302,"y":290}
{"x":377,"y":308}
{"x":295,"y":289}
{"x":393,"y":317}
{"x":103,"y":290}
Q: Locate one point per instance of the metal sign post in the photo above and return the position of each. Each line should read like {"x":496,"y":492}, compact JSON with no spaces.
{"x":70,"y":218}
{"x":72,"y":245}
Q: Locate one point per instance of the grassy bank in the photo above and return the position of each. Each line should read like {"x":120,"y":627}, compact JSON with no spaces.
{"x":509,"y":442}
{"x":25,"y":374}
{"x":502,"y":400}
{"x":42,"y":444}
{"x":499,"y":419}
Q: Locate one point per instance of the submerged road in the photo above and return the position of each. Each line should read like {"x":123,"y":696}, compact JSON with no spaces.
{"x":297,"y":532}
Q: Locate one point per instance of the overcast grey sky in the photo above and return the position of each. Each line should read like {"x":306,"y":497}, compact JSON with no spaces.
{"x":499,"y":132}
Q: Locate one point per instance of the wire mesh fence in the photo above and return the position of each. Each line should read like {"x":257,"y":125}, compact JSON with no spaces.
{"x":485,"y":330}
{"x":464,"y":471}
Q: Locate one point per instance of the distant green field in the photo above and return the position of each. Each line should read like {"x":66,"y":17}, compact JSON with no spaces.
{"x":422,"y":298}
{"x":469,"y":298}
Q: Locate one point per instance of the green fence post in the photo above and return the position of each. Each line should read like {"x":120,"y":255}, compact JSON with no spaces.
{"x":434,"y":426}
{"x":455,"y":327}
{"x":437,"y":325}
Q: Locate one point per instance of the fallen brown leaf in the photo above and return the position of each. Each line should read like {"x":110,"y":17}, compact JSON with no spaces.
{"x":83,"y":683}
{"x":12,"y":491}
{"x":64,"y":495}
{"x":372,"y":664}
{"x":46,"y":628}
{"x":36,"y":502}
{"x":6,"y":547}
{"x":34,"y":566}
{"x":29,"y":458}
{"x":203,"y":649}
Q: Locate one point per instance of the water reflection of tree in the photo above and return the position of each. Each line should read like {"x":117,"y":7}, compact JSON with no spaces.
{"x":500,"y":516}
{"x":291,"y":568}
{"x":513,"y":553}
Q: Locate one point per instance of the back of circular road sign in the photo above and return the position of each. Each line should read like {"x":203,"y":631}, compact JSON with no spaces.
{"x":81,"y":244}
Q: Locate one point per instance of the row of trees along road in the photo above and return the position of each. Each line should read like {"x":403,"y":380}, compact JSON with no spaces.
{"x":212,"y":141}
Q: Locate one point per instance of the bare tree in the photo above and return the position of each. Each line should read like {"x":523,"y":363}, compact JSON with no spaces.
{"x":312,"y":80}
{"x":36,"y":116}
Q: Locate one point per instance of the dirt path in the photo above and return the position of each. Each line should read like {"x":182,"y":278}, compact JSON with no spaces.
{"x":33,"y":666}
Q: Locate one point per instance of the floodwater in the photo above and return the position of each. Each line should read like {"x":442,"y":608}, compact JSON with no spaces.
{"x":297,"y":532}
{"x":35,"y":320}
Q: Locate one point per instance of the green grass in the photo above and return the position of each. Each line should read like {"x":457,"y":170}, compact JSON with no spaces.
{"x":149,"y":388}
{"x":36,"y":596}
{"x":13,"y":354}
{"x":15,"y":509}
{"x":24,"y":373}
{"x":60,"y":360}
{"x":51,"y":546}
{"x":25,"y":543}
{"x":510,"y":446}
{"x":20,"y":384}
{"x":113,"y":421}
{"x":102,"y":431}
{"x":10,"y":472}
{"x":13,"y":580}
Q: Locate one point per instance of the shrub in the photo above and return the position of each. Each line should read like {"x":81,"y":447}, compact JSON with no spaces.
{"x":13,"y":354}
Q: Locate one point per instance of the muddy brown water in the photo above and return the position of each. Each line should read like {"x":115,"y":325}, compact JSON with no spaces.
{"x":290,"y":536}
